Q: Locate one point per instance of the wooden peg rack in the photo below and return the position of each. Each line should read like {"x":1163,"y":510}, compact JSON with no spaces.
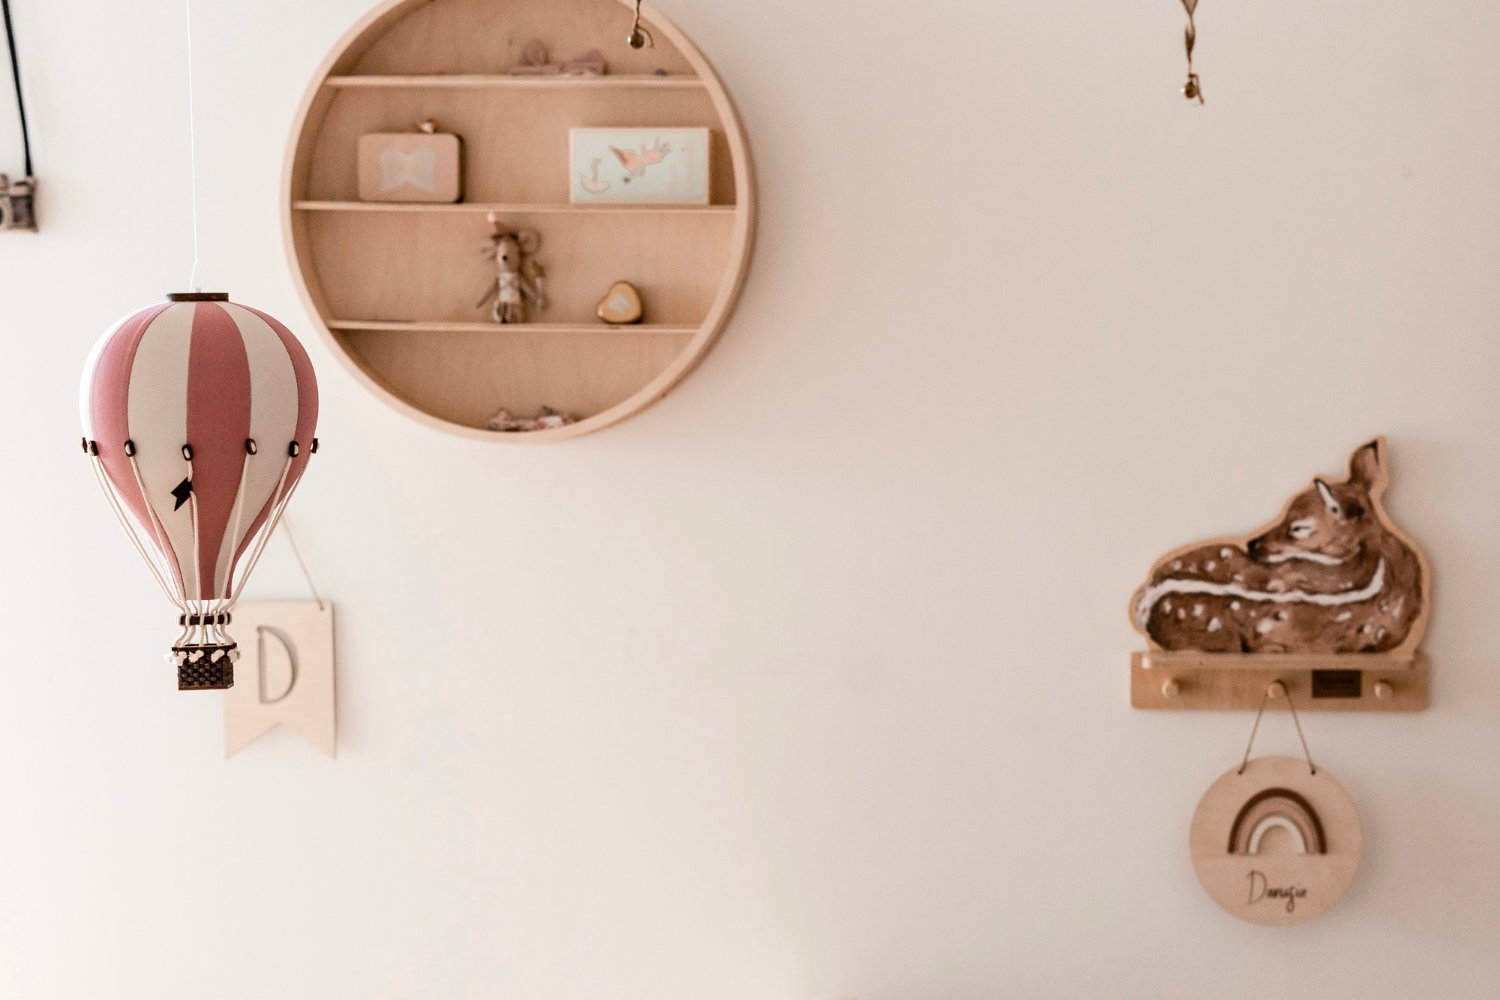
{"x":1342,"y":682}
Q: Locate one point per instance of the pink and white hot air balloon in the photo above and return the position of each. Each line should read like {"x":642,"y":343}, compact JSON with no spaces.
{"x":198,"y":417}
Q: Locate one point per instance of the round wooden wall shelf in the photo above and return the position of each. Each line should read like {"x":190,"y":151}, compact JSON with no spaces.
{"x":394,"y":286}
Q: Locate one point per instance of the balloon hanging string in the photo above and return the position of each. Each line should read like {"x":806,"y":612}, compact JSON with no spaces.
{"x":161,"y":574}
{"x":286,"y":527}
{"x":1282,"y":689}
{"x":159,"y":532}
{"x":239,"y":510}
{"x":269,"y":529}
{"x":192,"y":144}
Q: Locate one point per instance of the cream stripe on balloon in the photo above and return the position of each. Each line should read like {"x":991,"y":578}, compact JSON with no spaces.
{"x":163,"y":541}
{"x":274,"y":405}
{"x":157,"y":408}
{"x":269,"y":526}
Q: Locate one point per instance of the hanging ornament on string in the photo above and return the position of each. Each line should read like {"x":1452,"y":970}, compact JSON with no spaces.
{"x":1276,"y":840}
{"x":639,"y":37}
{"x":1192,"y":88}
{"x":198,"y":418}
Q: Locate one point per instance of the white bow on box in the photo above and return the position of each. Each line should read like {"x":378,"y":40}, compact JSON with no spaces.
{"x":418,"y":169}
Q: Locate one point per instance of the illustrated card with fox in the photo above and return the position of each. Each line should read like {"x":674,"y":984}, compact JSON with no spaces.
{"x":657,"y":165}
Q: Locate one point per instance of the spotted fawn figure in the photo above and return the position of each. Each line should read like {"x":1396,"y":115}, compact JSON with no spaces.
{"x":1334,"y":575}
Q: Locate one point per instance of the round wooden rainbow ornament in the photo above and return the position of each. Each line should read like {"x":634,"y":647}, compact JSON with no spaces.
{"x":1276,"y":841}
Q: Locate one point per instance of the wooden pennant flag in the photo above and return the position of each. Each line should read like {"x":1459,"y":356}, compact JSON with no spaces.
{"x":285,"y":675}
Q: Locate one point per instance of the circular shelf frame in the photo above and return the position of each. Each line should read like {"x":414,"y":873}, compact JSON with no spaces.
{"x":340,"y":248}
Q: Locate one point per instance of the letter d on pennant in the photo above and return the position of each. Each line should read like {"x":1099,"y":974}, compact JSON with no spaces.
{"x":288,"y":647}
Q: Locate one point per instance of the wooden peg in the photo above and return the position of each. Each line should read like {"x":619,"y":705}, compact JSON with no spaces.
{"x":1276,"y":690}
{"x":1169,"y":688}
{"x":1383,"y":690}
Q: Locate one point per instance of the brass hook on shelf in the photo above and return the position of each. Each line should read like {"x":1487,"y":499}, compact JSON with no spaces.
{"x":639,"y":37}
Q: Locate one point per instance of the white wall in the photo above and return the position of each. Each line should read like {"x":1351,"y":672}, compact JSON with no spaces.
{"x":812,"y":679}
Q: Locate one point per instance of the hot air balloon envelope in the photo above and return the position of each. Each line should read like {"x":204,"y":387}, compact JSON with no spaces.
{"x":198,"y":415}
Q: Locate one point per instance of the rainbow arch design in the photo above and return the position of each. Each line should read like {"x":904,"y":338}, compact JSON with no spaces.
{"x":1277,"y":808}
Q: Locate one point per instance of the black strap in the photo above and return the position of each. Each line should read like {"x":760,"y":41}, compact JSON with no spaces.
{"x":15,"y":72}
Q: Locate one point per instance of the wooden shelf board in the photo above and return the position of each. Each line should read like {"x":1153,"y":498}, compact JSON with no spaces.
{"x":1157,"y":659}
{"x":405,"y":326}
{"x":1238,"y":681}
{"x":514,"y":208}
{"x":473,"y":81}
{"x":462,"y":375}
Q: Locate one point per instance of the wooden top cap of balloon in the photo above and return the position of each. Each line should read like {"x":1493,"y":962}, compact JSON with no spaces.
{"x":197,"y":296}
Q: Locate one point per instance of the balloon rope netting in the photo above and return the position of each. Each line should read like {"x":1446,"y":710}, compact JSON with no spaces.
{"x":202,"y":620}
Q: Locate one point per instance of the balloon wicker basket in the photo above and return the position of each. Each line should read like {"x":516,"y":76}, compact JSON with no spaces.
{"x":206,"y":667}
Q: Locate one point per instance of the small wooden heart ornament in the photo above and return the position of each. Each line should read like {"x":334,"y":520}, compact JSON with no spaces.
{"x":621,"y":305}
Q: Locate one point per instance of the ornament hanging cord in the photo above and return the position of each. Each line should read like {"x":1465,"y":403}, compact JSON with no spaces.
{"x":298,"y":553}
{"x":1295,"y":721}
{"x":15,"y":73}
{"x":192,"y":143}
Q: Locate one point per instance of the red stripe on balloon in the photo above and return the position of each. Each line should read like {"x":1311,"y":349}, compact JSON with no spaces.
{"x":218,"y":422}
{"x":109,"y":415}
{"x":307,"y":418}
